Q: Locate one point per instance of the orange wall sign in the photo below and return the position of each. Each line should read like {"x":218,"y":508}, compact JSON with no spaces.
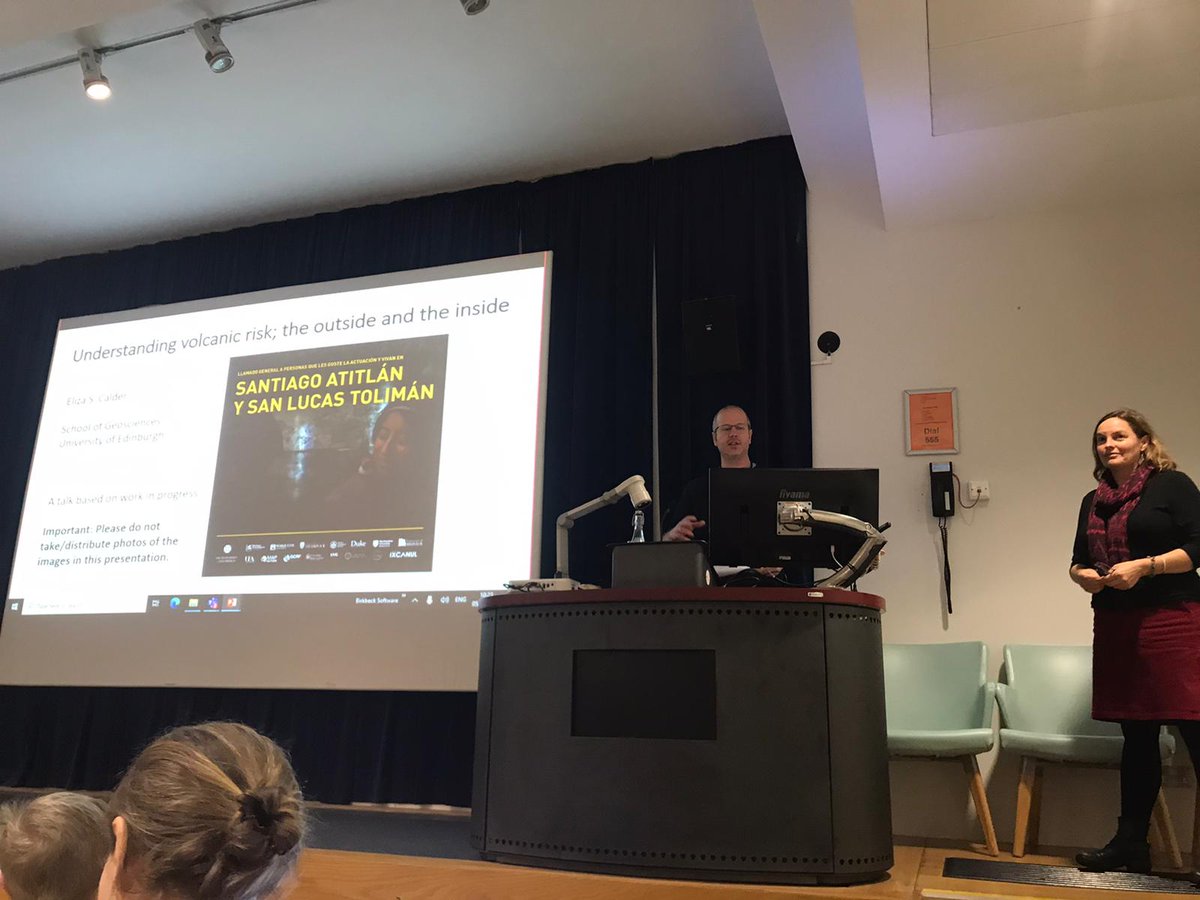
{"x":931,"y":421}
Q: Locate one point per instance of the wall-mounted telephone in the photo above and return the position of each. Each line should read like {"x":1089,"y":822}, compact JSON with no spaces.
{"x":941,"y":498}
{"x":941,"y":489}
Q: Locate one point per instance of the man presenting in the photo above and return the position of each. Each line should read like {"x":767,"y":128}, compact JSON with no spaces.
{"x":731,"y":435}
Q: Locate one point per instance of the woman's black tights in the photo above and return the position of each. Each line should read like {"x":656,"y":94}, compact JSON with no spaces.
{"x":1141,"y":768}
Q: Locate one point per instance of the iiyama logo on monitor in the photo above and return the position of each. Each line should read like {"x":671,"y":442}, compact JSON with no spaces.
{"x":794,"y":495}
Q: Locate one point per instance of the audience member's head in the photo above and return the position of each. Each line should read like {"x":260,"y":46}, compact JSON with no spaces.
{"x":209,"y":810}
{"x":53,"y":847}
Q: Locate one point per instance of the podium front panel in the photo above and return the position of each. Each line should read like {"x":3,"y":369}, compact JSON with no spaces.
{"x":677,"y":738}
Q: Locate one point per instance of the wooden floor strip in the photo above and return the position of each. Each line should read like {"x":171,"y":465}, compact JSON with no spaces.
{"x":917,"y":875}
{"x":339,"y":875}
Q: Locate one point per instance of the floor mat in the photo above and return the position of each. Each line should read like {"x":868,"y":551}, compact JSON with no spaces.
{"x":1064,"y":876}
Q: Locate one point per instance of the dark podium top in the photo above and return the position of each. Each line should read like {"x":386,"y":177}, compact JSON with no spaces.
{"x":726,"y":734}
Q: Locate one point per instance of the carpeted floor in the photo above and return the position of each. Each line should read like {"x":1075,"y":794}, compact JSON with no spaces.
{"x":407,"y":834}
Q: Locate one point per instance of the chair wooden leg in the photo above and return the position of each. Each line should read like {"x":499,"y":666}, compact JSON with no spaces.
{"x":1035,"y":809}
{"x":1024,"y":800}
{"x":1196,"y":831}
{"x":979,"y":796}
{"x":1161,"y":818}
{"x":1154,"y":835}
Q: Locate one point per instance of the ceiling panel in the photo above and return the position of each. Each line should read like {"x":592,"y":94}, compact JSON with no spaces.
{"x":957,"y":22}
{"x":1142,"y":55}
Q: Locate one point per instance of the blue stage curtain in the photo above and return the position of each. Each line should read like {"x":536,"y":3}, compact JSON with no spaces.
{"x":599,"y":388}
{"x":381,"y":746}
{"x":602,"y":226}
{"x":731,"y":223}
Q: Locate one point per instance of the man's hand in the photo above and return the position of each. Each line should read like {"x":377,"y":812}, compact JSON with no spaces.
{"x":685,"y":530}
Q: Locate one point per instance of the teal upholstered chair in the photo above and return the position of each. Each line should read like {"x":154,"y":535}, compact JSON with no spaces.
{"x":1046,"y":716}
{"x":940,"y":706}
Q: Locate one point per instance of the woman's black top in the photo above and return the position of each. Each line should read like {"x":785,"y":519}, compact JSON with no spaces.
{"x":1167,"y":517}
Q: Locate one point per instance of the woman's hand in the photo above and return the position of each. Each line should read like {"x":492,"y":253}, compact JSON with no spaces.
{"x":1124,"y":575}
{"x":1089,"y":579}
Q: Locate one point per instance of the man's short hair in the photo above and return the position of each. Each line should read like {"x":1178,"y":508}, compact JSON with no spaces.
{"x":54,"y":847}
{"x":717,"y":414}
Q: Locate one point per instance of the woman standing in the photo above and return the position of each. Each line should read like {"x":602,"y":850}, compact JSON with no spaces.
{"x":1137,"y":547}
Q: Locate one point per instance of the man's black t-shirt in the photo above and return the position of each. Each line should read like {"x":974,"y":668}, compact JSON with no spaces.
{"x":692,"y":502}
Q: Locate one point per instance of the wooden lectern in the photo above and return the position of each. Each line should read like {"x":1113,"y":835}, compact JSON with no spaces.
{"x":721,"y":734}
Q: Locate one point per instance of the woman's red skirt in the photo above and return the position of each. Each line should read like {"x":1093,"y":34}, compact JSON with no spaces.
{"x":1146,"y":663}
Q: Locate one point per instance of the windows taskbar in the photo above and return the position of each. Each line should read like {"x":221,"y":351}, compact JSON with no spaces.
{"x":210,"y":604}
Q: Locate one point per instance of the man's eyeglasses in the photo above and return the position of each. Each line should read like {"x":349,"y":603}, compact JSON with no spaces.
{"x":740,"y":428}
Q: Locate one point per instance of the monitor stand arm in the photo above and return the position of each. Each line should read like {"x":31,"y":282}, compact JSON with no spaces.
{"x":860,"y":562}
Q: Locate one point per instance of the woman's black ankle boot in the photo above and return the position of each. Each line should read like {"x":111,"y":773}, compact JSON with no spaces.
{"x":1127,"y":850}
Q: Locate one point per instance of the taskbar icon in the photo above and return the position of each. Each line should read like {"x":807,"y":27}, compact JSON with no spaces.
{"x":195,"y":603}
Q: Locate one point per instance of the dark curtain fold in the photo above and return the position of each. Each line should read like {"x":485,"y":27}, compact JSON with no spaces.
{"x":345,"y":745}
{"x":599,"y":380}
{"x":731,"y":223}
{"x":730,"y":220}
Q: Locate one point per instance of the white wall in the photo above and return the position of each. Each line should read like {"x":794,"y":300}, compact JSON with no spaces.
{"x":1042,"y":323}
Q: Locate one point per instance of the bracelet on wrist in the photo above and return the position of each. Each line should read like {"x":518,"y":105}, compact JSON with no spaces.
{"x":1153,"y":566}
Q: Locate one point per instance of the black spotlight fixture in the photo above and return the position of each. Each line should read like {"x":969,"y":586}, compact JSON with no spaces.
{"x":474,"y":7}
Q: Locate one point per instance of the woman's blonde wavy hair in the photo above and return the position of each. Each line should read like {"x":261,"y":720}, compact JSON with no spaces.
{"x":1156,"y":455}
{"x":211,"y":810}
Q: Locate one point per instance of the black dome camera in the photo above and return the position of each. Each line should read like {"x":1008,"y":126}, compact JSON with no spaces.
{"x":829,"y":342}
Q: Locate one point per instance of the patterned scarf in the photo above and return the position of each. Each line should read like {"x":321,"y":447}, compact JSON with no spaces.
{"x":1107,"y":526}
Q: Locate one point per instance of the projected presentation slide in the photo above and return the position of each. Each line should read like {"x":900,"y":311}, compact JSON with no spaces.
{"x":281,"y":462}
{"x":328,"y":460}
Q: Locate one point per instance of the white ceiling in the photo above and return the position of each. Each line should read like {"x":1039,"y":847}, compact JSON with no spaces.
{"x":1020,"y":60}
{"x":1131,"y":152}
{"x":348,"y":102}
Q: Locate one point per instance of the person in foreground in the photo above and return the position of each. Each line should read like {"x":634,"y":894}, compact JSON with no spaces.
{"x":209,"y":810}
{"x":53,"y":847}
{"x":1137,"y":546}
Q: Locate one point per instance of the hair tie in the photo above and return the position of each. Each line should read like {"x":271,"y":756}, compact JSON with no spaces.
{"x":253,"y":809}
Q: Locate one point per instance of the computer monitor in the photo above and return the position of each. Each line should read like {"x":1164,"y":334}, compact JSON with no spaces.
{"x":744,"y":515}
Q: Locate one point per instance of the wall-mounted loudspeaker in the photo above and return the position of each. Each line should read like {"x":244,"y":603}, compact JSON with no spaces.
{"x":710,"y":337}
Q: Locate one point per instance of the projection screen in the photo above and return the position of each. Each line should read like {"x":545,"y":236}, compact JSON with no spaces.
{"x":309,"y":487}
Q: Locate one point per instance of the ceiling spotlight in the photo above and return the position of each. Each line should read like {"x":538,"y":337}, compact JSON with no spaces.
{"x":474,"y":7}
{"x":216,"y":54}
{"x":95,"y":85}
